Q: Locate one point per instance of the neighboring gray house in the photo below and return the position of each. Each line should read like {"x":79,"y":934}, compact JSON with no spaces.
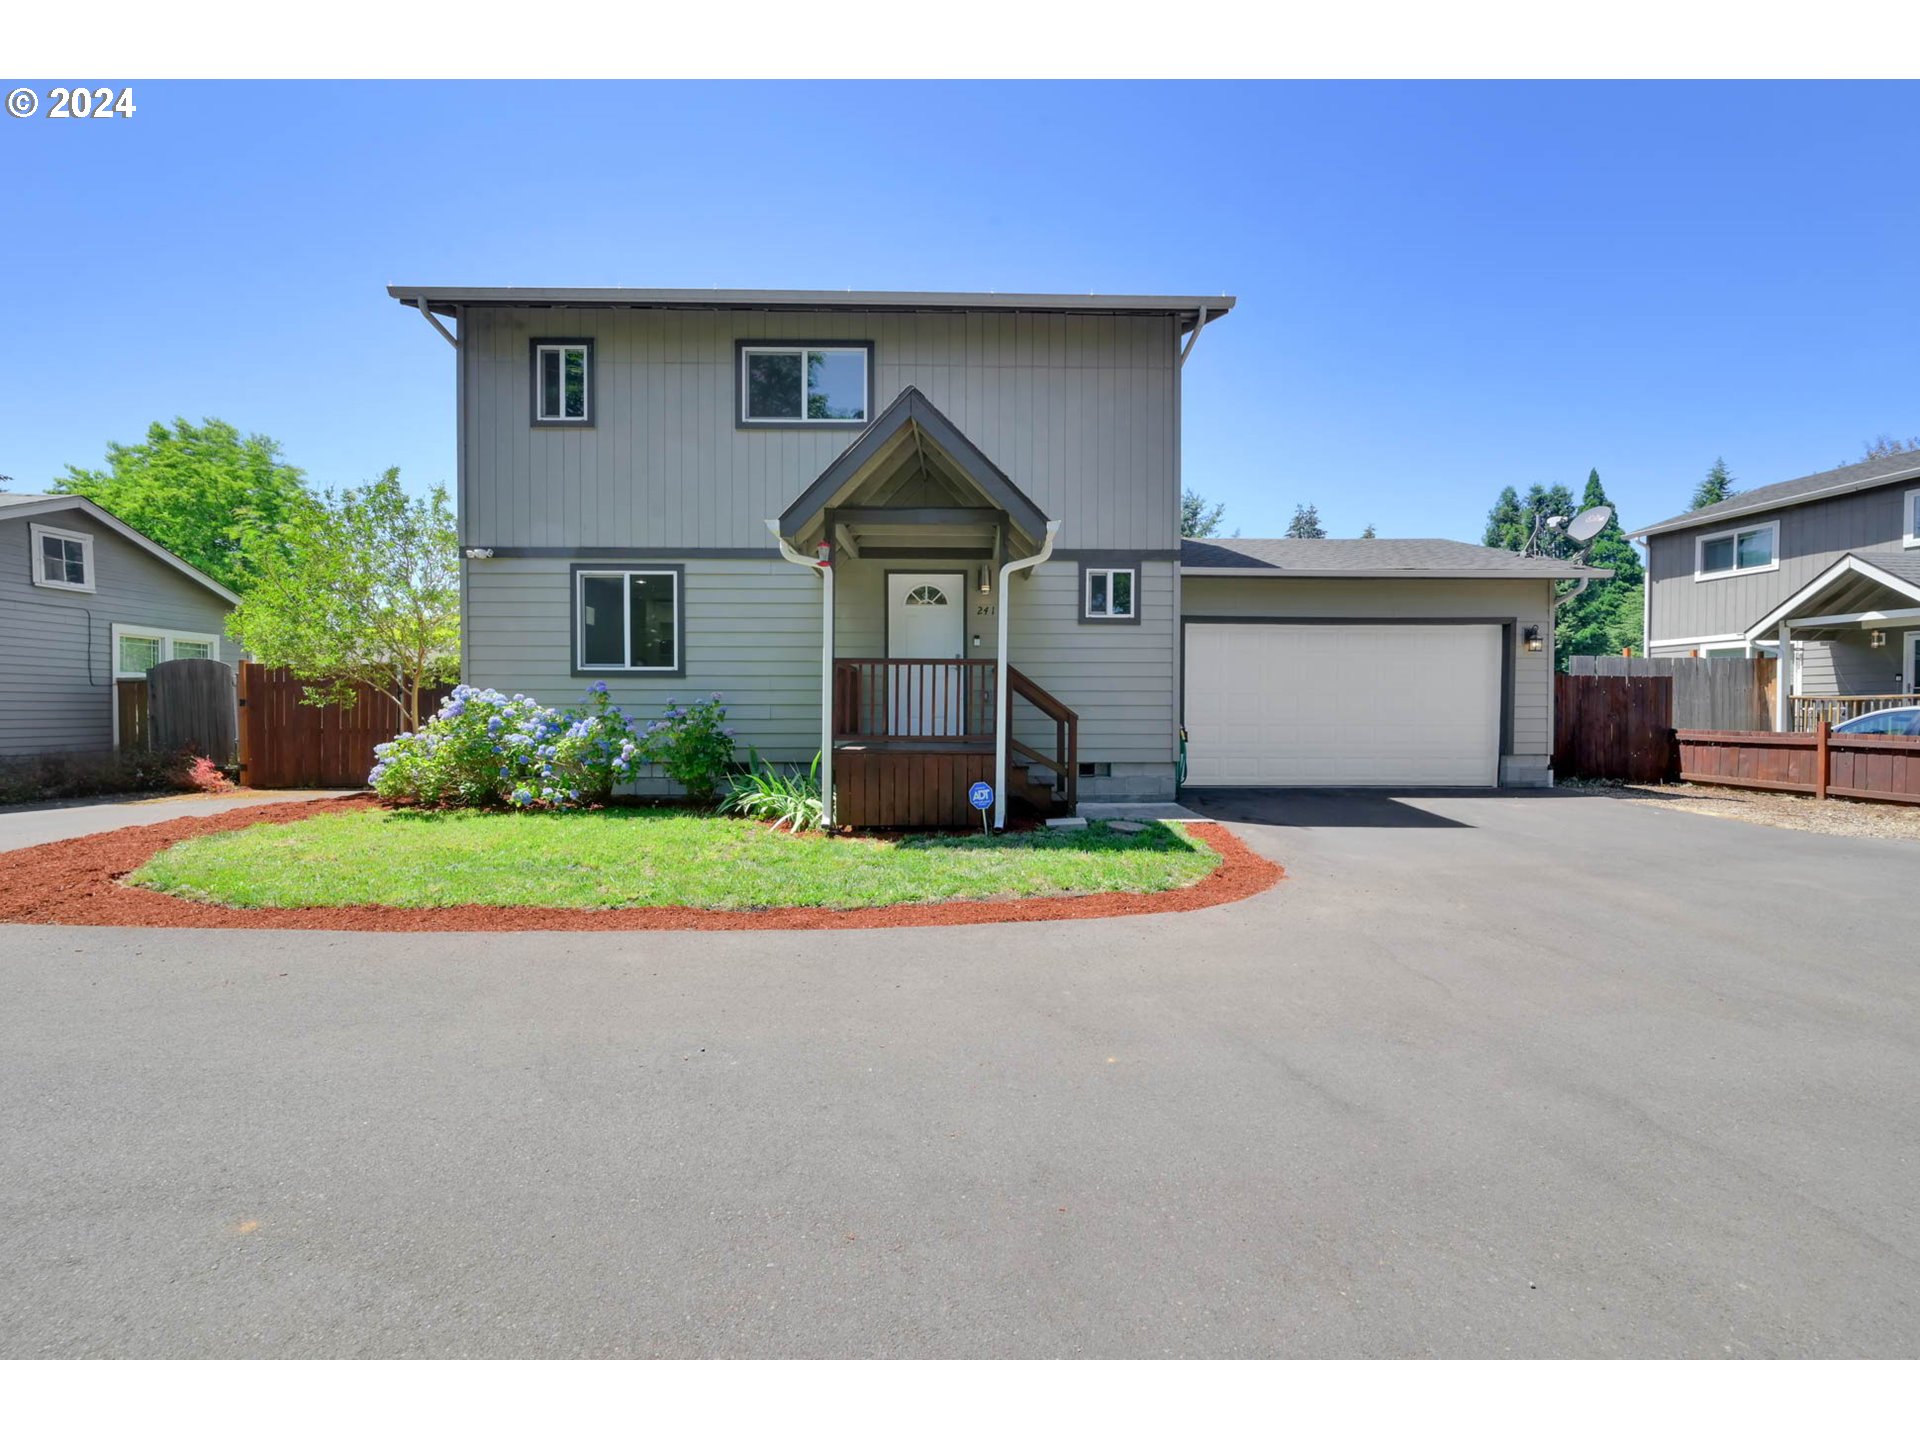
{"x":863,"y":516}
{"x":1827,"y":565}
{"x":87,"y":601}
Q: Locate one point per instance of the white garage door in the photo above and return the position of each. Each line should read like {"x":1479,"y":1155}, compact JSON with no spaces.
{"x":1343,"y":704}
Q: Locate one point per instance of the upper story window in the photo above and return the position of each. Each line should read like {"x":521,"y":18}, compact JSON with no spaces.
{"x":563,"y":382}
{"x":627,"y":620}
{"x":1109,"y":592}
{"x":1737,"y":552}
{"x":805,"y":384}
{"x":62,"y":559}
{"x":1910,"y":535}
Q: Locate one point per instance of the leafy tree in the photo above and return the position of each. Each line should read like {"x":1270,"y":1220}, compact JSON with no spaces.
{"x":365,"y":591}
{"x":1369,"y":534}
{"x":214,"y":497}
{"x":1716,"y":487}
{"x":1198,"y":519}
{"x":1305,"y":524}
{"x":1885,"y":447}
{"x":1605,"y":617}
{"x":1512,"y":521}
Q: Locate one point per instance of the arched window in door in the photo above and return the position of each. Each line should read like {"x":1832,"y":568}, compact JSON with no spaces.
{"x":926,"y":595}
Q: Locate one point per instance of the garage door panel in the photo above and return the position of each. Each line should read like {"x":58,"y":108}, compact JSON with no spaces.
{"x":1290,"y":704}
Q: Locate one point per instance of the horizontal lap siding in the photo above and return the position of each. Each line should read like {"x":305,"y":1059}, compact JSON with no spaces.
{"x":1524,"y":602}
{"x":1077,"y":410}
{"x":56,"y":682}
{"x":1811,"y":538}
{"x":752,"y":633}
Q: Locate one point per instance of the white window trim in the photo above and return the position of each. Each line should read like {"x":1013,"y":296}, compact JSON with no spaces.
{"x":1133,"y":592}
{"x":625,"y":576}
{"x":747,"y":352}
{"x":167,"y":638}
{"x":1910,"y":531}
{"x":540,"y":350}
{"x":35,"y":532}
{"x":1700,"y":549}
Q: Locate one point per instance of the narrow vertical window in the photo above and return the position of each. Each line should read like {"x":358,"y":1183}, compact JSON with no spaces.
{"x":563,"y":382}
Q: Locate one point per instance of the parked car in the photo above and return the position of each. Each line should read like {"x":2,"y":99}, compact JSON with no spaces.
{"x":1901,"y":720}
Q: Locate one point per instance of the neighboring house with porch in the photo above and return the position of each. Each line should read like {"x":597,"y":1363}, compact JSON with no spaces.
{"x":87,"y":605}
{"x":1825,"y":569}
{"x":935,"y":537}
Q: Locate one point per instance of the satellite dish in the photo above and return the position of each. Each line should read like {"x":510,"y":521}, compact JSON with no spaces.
{"x":1589,"y":523}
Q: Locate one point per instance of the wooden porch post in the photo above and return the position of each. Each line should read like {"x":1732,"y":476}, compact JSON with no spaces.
{"x":1783,"y":681}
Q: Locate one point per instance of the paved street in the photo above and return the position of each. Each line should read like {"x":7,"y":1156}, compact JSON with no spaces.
{"x":1491,"y":1075}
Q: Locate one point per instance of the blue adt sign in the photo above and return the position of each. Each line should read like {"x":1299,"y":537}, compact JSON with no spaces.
{"x":980,"y":795}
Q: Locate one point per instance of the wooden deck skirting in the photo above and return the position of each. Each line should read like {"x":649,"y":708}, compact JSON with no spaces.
{"x":1879,"y":768}
{"x":895,"y":785}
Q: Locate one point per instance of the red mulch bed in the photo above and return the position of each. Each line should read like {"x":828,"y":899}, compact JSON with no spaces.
{"x":77,"y":882}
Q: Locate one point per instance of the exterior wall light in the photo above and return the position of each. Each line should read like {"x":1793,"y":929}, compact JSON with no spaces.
{"x":986,"y":579}
{"x":479,"y":552}
{"x":1877,"y":640}
{"x":1531,"y":639}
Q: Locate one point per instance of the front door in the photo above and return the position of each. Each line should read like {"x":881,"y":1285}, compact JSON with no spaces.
{"x":926,"y":622}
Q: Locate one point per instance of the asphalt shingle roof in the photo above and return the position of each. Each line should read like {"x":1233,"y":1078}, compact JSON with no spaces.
{"x":1862,"y":476}
{"x":1369,"y":557}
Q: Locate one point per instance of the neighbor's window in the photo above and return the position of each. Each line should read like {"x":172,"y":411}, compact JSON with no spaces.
{"x":803,"y":385}
{"x":1109,"y":594}
{"x":62,"y":558}
{"x":138,"y":650}
{"x":1732,"y":551}
{"x":1912,"y":535}
{"x":629,"y":620}
{"x":563,"y":382}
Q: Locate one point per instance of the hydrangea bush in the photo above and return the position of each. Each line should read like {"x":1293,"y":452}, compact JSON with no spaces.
{"x":484,"y":748}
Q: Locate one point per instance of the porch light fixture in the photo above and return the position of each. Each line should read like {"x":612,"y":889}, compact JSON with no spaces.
{"x":986,"y":579}
{"x":1877,"y":639}
{"x":1530,"y":637}
{"x":479,"y":552}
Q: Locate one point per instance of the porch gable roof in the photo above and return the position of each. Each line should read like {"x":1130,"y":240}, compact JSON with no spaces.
{"x":1850,"y":591}
{"x":911,"y":438}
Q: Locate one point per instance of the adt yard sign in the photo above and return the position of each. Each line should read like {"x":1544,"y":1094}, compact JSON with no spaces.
{"x":980,"y":795}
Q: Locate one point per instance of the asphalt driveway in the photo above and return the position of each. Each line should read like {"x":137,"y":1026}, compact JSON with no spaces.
{"x":1487,"y":1075}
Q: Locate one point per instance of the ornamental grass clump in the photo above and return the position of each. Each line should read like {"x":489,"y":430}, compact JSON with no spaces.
{"x":786,"y":797}
{"x":486,"y":748}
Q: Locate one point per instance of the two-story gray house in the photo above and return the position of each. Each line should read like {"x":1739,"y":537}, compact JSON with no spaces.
{"x":87,"y":606}
{"x":935,"y":539}
{"x":1824,"y":569}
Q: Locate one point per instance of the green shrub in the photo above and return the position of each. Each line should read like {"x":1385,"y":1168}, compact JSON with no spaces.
{"x":785,"y":797}
{"x":694,"y":745}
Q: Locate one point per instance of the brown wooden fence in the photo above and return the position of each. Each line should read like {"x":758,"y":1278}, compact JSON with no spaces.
{"x":130,"y":708}
{"x":1614,"y":727}
{"x":1721,"y":693}
{"x":1855,"y":767}
{"x":287,"y":745}
{"x":190,"y":707}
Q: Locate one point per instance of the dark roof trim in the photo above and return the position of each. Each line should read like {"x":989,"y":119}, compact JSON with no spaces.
{"x":913,"y":408}
{"x":1785,"y":495}
{"x":445,"y":299}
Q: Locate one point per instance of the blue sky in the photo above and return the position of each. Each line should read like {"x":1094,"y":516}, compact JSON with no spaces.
{"x":1443,"y":288}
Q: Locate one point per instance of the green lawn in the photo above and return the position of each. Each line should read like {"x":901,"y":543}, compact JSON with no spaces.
{"x":609,"y":858}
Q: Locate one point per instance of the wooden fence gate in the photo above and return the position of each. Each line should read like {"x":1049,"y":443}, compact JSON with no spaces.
{"x":286,"y":745}
{"x":1614,"y":727}
{"x":190,"y":707}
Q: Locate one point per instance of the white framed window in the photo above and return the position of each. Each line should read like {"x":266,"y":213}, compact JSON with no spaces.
{"x":1910,"y":532}
{"x":138,"y":648}
{"x":627,"y":620}
{"x":805,"y":384}
{"x":1746,"y":551}
{"x":1109,"y":594}
{"x":563,"y":382}
{"x":62,"y":559}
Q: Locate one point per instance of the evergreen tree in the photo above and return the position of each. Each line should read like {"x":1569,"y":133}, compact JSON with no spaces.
{"x":1306,"y":524}
{"x":1716,"y":487}
{"x":1605,"y":617}
{"x":1505,"y":527}
{"x":1369,"y":534}
{"x":1198,"y":518}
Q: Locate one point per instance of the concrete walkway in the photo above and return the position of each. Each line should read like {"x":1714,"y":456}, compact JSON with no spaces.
{"x":24,"y":825}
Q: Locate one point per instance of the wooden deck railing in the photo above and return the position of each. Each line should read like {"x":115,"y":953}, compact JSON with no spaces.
{"x":1065,"y":761}
{"x":913,"y":700}
{"x":1810,"y":710}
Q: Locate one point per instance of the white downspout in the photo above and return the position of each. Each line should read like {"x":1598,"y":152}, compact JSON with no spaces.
{"x":793,"y":556}
{"x":1003,"y":702}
